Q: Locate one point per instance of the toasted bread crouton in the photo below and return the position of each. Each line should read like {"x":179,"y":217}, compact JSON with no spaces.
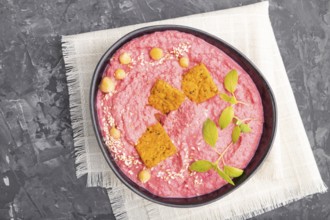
{"x":164,"y":97}
{"x":198,"y":85}
{"x":155,"y":145}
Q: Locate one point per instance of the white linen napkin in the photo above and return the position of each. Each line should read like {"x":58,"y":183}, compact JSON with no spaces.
{"x":289,"y":172}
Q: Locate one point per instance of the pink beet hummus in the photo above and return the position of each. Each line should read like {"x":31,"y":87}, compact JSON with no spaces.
{"x":127,"y":108}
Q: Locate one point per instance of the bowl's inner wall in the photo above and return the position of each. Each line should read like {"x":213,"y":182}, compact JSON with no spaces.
{"x":262,"y":86}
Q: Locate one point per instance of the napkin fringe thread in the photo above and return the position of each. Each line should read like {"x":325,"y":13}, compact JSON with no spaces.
{"x":117,"y":203}
{"x":76,"y":115}
{"x":103,"y":179}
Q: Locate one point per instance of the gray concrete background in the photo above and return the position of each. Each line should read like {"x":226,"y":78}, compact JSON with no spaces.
{"x":36,"y":149}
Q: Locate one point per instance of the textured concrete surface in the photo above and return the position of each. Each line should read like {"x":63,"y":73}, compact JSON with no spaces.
{"x":37,"y":173}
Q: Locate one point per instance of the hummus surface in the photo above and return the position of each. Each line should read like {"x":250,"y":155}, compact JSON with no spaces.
{"x":127,"y":109}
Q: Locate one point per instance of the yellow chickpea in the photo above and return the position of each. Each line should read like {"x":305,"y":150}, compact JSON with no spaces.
{"x":115,"y":133}
{"x":107,"y":85}
{"x":184,"y":62}
{"x":156,"y":53}
{"x":144,"y":176}
{"x":124,"y":58}
{"x":120,"y":74}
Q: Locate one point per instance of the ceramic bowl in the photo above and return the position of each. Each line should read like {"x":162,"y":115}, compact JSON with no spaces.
{"x":263,"y":87}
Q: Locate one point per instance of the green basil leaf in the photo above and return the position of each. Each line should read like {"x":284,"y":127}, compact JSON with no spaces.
{"x":210,"y":132}
{"x":226,"y":117}
{"x":238,"y":122}
{"x":224,"y":176}
{"x":231,"y":99}
{"x":201,"y":166}
{"x":232,"y":171}
{"x":224,"y":97}
{"x":235,"y":134}
{"x":245,"y":128}
{"x":231,"y":80}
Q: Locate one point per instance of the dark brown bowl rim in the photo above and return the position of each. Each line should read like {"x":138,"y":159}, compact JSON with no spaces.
{"x":180,"y":202}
